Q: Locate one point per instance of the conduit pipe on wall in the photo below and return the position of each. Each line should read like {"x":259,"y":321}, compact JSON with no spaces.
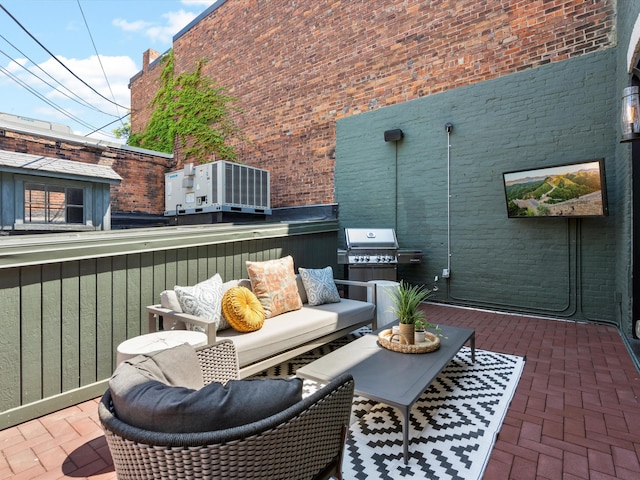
{"x":449,"y":128}
{"x":567,"y":310}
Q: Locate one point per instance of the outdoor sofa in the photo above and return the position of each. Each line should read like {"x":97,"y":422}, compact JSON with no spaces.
{"x":284,"y":335}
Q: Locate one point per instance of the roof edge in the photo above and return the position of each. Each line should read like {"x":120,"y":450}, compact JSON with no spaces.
{"x":197,"y":20}
{"x":87,"y":141}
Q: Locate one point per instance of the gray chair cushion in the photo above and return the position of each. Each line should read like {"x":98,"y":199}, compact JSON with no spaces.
{"x":164,"y":392}
{"x":177,"y":366}
{"x":158,"y":407}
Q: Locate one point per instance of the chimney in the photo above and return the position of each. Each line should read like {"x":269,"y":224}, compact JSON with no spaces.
{"x":148,"y":57}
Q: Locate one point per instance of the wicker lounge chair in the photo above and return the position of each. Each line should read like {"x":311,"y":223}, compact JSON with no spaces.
{"x":305,"y":441}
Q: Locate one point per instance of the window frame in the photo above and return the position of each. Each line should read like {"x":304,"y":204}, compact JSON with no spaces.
{"x":48,"y":223}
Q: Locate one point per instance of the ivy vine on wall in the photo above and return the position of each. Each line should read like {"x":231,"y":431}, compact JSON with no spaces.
{"x":191,"y":109}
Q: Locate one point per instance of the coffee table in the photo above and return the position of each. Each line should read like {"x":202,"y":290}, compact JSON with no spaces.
{"x":389,"y":377}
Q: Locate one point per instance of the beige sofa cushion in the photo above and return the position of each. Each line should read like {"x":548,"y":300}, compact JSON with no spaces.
{"x":291,"y":329}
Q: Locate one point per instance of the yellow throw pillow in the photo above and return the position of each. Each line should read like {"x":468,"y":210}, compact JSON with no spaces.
{"x":274,"y":283}
{"x":242,"y":309}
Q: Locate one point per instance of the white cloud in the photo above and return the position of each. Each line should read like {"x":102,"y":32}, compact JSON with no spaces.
{"x":126,"y":26}
{"x":159,"y":33}
{"x":176,"y":21}
{"x":119,"y":70}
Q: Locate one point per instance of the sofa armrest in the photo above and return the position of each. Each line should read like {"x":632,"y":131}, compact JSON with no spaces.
{"x":356,"y":283}
{"x":154,"y":311}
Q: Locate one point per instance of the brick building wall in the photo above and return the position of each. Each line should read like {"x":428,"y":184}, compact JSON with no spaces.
{"x":133,"y":195}
{"x":298,"y":67}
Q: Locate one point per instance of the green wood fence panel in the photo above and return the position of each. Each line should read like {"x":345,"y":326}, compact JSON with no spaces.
{"x":68,"y":300}
{"x":31,"y":334}
{"x":51,"y":327}
{"x":10,"y":339}
{"x":105,"y":319}
{"x":70,"y":332}
{"x":87,"y":297}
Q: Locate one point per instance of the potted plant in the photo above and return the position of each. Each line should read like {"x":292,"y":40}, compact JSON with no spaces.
{"x":406,"y":302}
{"x":420,"y":329}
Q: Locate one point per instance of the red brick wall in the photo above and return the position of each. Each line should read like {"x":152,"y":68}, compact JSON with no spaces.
{"x":299,"y":66}
{"x":142,"y":186}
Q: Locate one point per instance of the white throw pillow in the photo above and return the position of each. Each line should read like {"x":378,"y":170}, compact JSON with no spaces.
{"x":203,"y":300}
{"x":319,"y":285}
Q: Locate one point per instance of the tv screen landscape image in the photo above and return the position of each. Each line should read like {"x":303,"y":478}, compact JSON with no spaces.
{"x":569,"y":190}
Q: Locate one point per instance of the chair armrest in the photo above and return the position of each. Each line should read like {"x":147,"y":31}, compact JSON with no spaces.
{"x":219,"y":362}
{"x":157,"y":310}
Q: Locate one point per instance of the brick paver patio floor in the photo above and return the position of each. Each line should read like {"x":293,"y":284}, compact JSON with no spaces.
{"x":575,"y":413}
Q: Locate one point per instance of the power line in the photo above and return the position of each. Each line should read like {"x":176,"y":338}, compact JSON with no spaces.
{"x":57,"y":60}
{"x":47,"y":101}
{"x":99,"y":60}
{"x":110,"y":123}
{"x":78,"y":100}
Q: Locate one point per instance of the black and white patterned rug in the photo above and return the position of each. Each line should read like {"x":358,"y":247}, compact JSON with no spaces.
{"x":453,"y":425}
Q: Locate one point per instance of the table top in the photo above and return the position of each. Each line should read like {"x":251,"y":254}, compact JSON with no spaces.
{"x":383,"y":375}
{"x":156,"y":341}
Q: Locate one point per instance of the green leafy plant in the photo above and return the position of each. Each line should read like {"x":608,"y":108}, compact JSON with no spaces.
{"x":423,"y":326}
{"x":191,"y":109}
{"x":406,"y":302}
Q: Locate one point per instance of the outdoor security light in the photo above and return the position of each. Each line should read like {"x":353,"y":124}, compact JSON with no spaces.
{"x":630,"y":114}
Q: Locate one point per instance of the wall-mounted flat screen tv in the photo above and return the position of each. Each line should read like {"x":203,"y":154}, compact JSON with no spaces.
{"x":569,"y":190}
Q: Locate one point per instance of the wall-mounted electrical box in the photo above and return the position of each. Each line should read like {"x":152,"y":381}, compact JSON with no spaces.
{"x":217,"y":187}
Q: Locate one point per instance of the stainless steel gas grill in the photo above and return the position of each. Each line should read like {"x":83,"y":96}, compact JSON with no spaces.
{"x":373,"y":254}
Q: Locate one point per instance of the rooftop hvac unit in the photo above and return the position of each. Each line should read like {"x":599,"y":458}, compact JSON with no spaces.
{"x":217,"y":187}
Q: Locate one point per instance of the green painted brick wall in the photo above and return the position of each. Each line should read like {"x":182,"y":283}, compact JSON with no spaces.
{"x":627,"y":14}
{"x":561,"y":112}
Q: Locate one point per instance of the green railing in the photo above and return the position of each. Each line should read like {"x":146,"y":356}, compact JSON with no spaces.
{"x":68,"y":300}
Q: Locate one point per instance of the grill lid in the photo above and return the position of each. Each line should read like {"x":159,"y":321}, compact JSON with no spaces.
{"x":371,"y":238}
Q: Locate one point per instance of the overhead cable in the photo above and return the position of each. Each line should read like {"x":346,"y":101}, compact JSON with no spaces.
{"x":44,"y":99}
{"x":110,"y":123}
{"x":99,"y":60}
{"x":57,"y":60}
{"x":78,"y":99}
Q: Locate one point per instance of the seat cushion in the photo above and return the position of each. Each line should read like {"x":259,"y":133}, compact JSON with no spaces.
{"x":242,"y":309}
{"x":177,"y":366}
{"x":274,"y":283}
{"x":295,"y":328}
{"x":319,"y":285}
{"x":156,"y":406}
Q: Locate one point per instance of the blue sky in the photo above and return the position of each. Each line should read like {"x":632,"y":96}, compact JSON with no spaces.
{"x":100,"y":41}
